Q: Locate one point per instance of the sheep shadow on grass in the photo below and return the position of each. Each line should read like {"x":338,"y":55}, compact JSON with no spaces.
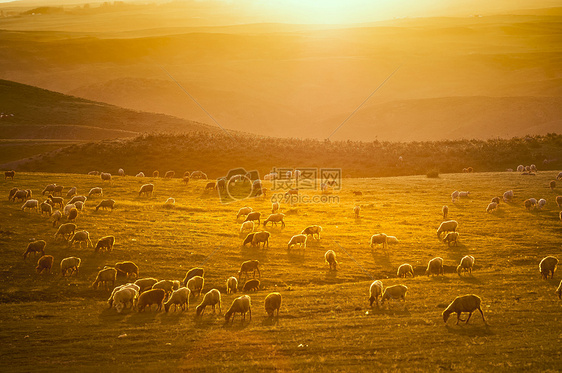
{"x":470,"y":279}
{"x":382,"y":258}
{"x":270,"y":321}
{"x":238,"y":324}
{"x":392,"y":309}
{"x":470,"y":330}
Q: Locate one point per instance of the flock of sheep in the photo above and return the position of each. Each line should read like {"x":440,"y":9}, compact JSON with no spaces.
{"x":144,"y":292}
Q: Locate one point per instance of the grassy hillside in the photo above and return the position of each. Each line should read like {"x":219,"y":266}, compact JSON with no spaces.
{"x":35,"y":113}
{"x":217,"y":153}
{"x":480,"y":77}
{"x":325,"y":321}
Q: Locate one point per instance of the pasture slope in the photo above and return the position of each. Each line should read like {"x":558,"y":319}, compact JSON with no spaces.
{"x":52,"y":323}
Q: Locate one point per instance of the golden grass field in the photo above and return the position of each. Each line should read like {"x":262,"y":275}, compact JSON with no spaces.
{"x":53,"y":323}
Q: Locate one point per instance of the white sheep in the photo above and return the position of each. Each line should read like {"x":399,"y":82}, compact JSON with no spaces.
{"x":56,"y":216}
{"x":435,"y":267}
{"x":492,"y":206}
{"x":71,"y":192}
{"x":124,"y":296}
{"x":70,"y":264}
{"x":520,"y":168}
{"x":464,"y":194}
{"x":451,"y":238}
{"x":455,"y":196}
{"x":405,"y":270}
{"x":548,"y":266}
{"x":105,"y":275}
{"x":541,"y":203}
{"x":240,"y":305}
{"x":249,"y":265}
{"x":445,"y":211}
{"x":312,"y":231}
{"x":378,"y":239}
{"x":394,"y":292}
{"x":167,"y":285}
{"x":121,"y":172}
{"x":261,"y":237}
{"x":66,"y":231}
{"x":147,"y":190}
{"x":195,"y":285}
{"x":77,"y":198}
{"x":330,"y":258}
{"x":31,"y":204}
{"x":274,"y":207}
{"x":140,"y":174}
{"x":272,"y":302}
{"x":67,"y":208}
{"x":129,"y":285}
{"x":274,"y":219}
{"x":467,"y":262}
{"x":95,"y":191}
{"x":79,"y":205}
{"x":508,"y":196}
{"x":145,"y":284}
{"x":298,"y":239}
{"x":211,"y":298}
{"x":231,"y":285}
{"x":559,"y":201}
{"x":170,"y":202}
{"x":105,"y":176}
{"x":243,"y":212}
{"x":392,"y":240}
{"x":179,"y":297}
{"x":463,"y":303}
{"x":447,"y":226}
{"x":375,"y":292}
{"x":247,"y":226}
{"x":81,"y":236}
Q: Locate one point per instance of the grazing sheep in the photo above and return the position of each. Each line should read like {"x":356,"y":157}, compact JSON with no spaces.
{"x":467,"y":262}
{"x":464,"y":194}
{"x":313,"y":230}
{"x":106,"y":204}
{"x":394,"y":292}
{"x":243,"y":212}
{"x":105,"y":244}
{"x":533,"y":201}
{"x":559,"y":290}
{"x":508,"y":196}
{"x":253,"y":216}
{"x":31,"y":204}
{"x":435,"y":267}
{"x":105,"y":176}
{"x":356,"y":211}
{"x":298,"y":239}
{"x":446,"y":227}
{"x":46,"y":208}
{"x":169,"y":174}
{"x":70,"y":264}
{"x":533,"y":168}
{"x":195,"y":285}
{"x":147,"y":190}
{"x":124,"y":296}
{"x":405,"y":270}
{"x":240,"y":305}
{"x":67,"y":209}
{"x":150,"y":297}
{"x":35,"y":247}
{"x":72,"y":214}
{"x":520,"y":168}
{"x":105,"y":275}
{"x":559,"y":201}
{"x":9,"y":174}
{"x":81,"y":236}
{"x":58,"y":190}
{"x":170,"y":202}
{"x":12,"y":192}
{"x":375,"y":292}
{"x":54,"y":201}
{"x":274,"y":219}
{"x":330,"y":258}
{"x":378,"y":239}
{"x":211,"y":298}
{"x":260,"y":237}
{"x":231,"y":285}
{"x":451,"y":238}
{"x":179,"y":297}
{"x":496,"y":200}
{"x":49,"y":189}
{"x":76,"y":199}
{"x":129,"y":285}
{"x":45,"y":263}
{"x":247,"y":226}
{"x":528,"y":204}
{"x":552,"y":184}
{"x":121,"y":172}
{"x":66,"y":231}
{"x":168,"y":285}
{"x":249,"y":265}
{"x":198,"y":175}
{"x":249,"y":239}
{"x":272,"y":303}
{"x":455,"y":196}
{"x":541,"y":203}
{"x":155,"y":173}
{"x":251,"y":285}
{"x":95,"y":191}
{"x":20,"y":195}
{"x":145,"y":284}
{"x":492,"y":206}
{"x":548,"y":266}
{"x":56,"y":216}
{"x":140,"y":174}
{"x":127,"y":268}
{"x":463,"y":303}
{"x":274,"y":207}
{"x":192,"y":273}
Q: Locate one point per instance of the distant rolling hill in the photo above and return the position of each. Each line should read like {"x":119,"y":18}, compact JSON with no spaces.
{"x":34,"y":113}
